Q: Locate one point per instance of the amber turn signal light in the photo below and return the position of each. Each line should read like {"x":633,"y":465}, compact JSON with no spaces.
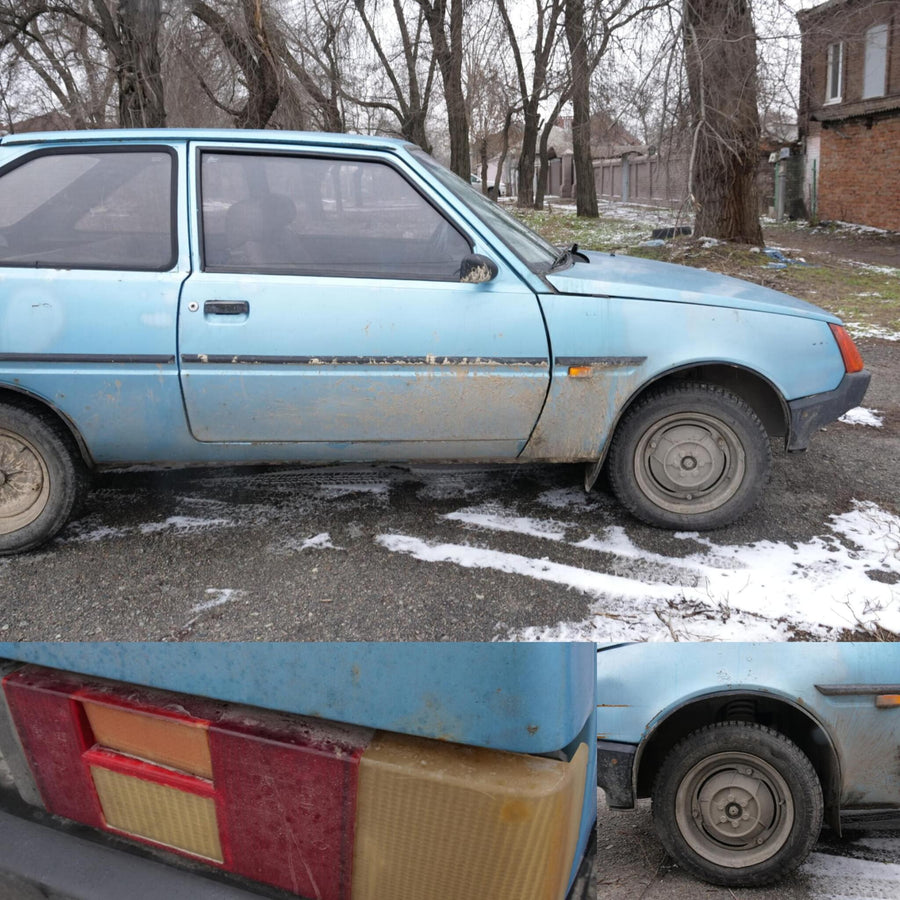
{"x":853,"y":361}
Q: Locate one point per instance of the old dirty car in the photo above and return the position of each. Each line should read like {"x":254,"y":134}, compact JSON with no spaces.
{"x":179,"y":297}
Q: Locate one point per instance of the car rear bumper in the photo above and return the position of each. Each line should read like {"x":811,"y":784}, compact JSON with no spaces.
{"x":810,"y":413}
{"x":41,"y":862}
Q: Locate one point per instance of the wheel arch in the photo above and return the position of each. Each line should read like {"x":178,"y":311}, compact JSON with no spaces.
{"x":41,"y":406}
{"x":757,"y":391}
{"x":777,"y":712}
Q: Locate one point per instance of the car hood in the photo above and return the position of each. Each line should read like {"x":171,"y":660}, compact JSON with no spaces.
{"x":612,"y":275}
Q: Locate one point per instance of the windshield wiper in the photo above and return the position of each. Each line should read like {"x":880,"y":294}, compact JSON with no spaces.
{"x":568,"y":254}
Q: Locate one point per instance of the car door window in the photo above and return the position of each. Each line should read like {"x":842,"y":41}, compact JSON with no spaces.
{"x":93,"y":209}
{"x":313,"y":216}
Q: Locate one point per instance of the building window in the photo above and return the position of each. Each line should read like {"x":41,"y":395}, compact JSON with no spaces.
{"x":876,"y":61}
{"x":835,"y":73}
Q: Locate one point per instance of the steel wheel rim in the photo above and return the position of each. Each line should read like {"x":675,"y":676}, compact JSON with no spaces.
{"x":734,"y":809}
{"x":24,"y":482}
{"x":690,"y":462}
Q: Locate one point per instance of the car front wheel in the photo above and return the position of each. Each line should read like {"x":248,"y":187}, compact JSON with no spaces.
{"x":737,"y":804}
{"x":690,"y":456}
{"x":42,"y":478}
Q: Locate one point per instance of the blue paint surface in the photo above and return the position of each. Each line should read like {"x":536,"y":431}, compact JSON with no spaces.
{"x":640,"y":685}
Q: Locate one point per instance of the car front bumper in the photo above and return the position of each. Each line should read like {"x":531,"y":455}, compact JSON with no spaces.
{"x":808,"y":414}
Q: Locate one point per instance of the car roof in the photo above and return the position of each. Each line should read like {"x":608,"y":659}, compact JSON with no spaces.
{"x":235,"y":135}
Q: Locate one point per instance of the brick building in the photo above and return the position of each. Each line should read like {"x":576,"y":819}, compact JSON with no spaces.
{"x":850,"y":110}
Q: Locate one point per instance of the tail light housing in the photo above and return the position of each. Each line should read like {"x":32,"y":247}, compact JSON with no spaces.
{"x":318,"y":808}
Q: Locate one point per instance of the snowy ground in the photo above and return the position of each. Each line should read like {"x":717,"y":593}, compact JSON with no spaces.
{"x":768,"y":590}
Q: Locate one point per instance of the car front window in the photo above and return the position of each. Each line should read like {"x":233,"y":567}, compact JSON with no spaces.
{"x":530,"y":247}
{"x":309,"y":215}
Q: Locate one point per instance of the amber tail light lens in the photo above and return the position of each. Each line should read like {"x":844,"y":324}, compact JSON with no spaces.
{"x":853,"y":361}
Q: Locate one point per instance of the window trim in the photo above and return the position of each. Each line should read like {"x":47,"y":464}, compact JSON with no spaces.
{"x":304,"y":153}
{"x":837,"y":48}
{"x":88,"y":149}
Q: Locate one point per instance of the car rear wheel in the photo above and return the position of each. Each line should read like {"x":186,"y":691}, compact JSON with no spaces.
{"x":690,"y":456}
{"x":42,"y":478}
{"x":737,"y":804}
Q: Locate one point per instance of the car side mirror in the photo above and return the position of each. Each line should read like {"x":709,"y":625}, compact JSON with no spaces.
{"x":477,"y":269}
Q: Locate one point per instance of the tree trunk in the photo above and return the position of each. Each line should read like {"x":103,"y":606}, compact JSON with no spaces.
{"x":525,"y":196}
{"x":720,"y":57}
{"x":253,"y":55}
{"x":448,"y":51}
{"x":138,"y":71}
{"x":504,"y":152}
{"x":585,"y":190}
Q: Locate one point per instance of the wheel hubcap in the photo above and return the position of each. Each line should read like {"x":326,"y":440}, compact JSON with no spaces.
{"x":690,"y":462}
{"x":734,"y":809}
{"x":24,"y":482}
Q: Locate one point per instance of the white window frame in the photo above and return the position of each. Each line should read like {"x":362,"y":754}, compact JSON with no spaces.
{"x":834,"y":73}
{"x":875,"y":66}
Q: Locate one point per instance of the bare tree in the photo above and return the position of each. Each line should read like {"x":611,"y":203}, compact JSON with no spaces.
{"x":411,"y":95}
{"x":312,"y":50}
{"x":244,"y":32}
{"x":447,"y":42}
{"x":588,"y":40}
{"x":133,"y":40}
{"x":720,"y":59}
{"x":577,"y":40}
{"x":546,"y":30}
{"x":128,"y":30}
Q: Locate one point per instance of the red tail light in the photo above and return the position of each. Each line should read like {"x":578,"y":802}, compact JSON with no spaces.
{"x":273,"y":803}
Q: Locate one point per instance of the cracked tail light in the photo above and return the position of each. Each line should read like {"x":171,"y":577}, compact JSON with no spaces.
{"x":318,"y":808}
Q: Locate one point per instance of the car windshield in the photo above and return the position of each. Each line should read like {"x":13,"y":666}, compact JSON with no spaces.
{"x":530,"y":247}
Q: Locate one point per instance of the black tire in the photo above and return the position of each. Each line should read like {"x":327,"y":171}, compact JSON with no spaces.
{"x":737,"y":804}
{"x":690,"y":456}
{"x":42,"y":478}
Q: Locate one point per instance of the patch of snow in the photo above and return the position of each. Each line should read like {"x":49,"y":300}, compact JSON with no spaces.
{"x":866,"y":229}
{"x":865,"y":330}
{"x":318,"y":542}
{"x":185,"y":524}
{"x":859,"y":415}
{"x":218,"y":597}
{"x":290,"y":545}
{"x":762,"y":591}
{"x":569,"y":498}
{"x":835,"y":877}
{"x":78,"y":533}
{"x":493,"y":517}
{"x":875,"y":269}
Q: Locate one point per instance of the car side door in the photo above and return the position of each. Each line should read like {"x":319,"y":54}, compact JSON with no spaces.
{"x":326,"y":309}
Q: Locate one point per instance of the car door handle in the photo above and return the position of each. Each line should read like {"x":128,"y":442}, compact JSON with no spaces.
{"x":226,"y":307}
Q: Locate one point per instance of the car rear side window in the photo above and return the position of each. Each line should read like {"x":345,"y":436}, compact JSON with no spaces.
{"x":304,"y":215}
{"x":91,"y":209}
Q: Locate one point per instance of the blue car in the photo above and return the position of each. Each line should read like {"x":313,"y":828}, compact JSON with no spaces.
{"x":745,"y":749}
{"x":178,"y":298}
